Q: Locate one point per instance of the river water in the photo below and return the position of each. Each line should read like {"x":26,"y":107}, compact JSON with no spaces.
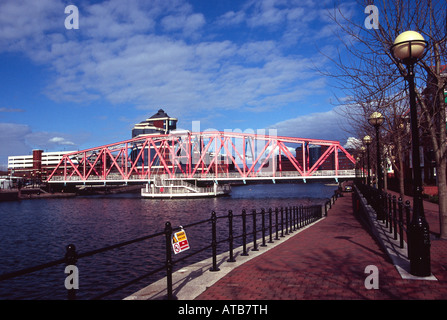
{"x":37,"y":231}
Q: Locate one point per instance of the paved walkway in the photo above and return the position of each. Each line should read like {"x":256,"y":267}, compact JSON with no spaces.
{"x":328,"y":261}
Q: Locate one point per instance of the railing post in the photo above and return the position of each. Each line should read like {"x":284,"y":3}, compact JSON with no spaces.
{"x":395,"y":217}
{"x":295,"y":218}
{"x":401,"y":223}
{"x":290,"y":220}
{"x":255,"y":245}
{"x":169,"y":266}
{"x":244,"y":233}
{"x":282,"y":222}
{"x":276,"y":223}
{"x":387,"y":213}
{"x":214,"y":241}
{"x":309,"y":216}
{"x":263,"y":228}
{"x":270,"y":226}
{"x":230,"y":235}
{"x":304,"y":216}
{"x":287,"y":220}
{"x":407,"y":218}
{"x":292,"y":208}
{"x":390,"y":211}
{"x":71,"y":257}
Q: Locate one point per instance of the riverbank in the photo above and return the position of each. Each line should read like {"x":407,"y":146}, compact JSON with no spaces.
{"x":32,"y":193}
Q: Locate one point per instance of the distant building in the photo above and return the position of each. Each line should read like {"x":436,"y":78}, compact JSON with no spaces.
{"x":36,"y":166}
{"x":313,"y":154}
{"x":159,"y":123}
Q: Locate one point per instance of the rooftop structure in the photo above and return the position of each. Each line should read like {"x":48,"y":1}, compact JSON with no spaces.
{"x":159,"y":123}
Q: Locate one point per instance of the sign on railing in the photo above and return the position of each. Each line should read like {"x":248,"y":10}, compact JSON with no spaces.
{"x":180,"y":241}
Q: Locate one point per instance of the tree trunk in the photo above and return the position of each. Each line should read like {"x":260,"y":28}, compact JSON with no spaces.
{"x":442,"y":192}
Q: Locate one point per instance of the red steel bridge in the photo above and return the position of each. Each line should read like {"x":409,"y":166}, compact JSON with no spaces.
{"x":206,"y":156}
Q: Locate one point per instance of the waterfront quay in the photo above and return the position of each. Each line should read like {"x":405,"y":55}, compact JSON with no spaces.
{"x":337,"y":257}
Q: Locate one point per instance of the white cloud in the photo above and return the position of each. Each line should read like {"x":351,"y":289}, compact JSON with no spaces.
{"x":231,"y":18}
{"x":353,"y":143}
{"x":61,"y":141}
{"x":20,"y":139}
{"x":162,"y":53}
{"x":323,"y":125}
{"x":187,"y":24}
{"x":117,"y":54}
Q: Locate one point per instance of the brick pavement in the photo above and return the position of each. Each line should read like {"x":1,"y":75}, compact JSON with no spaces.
{"x":327,"y":261}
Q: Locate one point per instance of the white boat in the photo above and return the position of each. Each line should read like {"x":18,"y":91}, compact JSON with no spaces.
{"x":181,"y":189}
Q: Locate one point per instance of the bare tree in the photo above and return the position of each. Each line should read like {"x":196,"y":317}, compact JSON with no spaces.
{"x":372,"y":80}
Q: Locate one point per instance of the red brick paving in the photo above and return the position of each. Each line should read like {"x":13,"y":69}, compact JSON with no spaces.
{"x":327,"y":261}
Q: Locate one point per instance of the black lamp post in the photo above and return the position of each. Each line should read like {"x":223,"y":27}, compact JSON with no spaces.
{"x":363,"y":149}
{"x":367,"y":140}
{"x":376,"y":120}
{"x":409,"y":47}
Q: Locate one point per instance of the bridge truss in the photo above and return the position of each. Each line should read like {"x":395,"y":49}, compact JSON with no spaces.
{"x":207,"y":156}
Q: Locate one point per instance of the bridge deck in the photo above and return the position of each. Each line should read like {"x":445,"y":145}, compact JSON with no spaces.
{"x":232,"y":177}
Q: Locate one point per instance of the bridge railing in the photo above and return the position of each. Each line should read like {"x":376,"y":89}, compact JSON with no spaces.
{"x":258,"y":227}
{"x":210,"y":177}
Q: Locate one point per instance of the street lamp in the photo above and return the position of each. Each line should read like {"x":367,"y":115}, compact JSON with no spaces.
{"x":363,"y":149}
{"x":376,"y":120}
{"x":409,"y":47}
{"x":367,"y":140}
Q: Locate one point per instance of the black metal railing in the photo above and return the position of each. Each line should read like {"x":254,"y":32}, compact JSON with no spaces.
{"x":271,"y":224}
{"x":389,"y":209}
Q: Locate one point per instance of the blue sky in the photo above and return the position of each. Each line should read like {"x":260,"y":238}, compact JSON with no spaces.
{"x":228,"y":64}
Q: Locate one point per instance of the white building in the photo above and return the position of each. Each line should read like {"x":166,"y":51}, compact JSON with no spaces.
{"x":39,"y":164}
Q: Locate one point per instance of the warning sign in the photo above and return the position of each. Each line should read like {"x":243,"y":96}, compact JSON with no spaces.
{"x":180,"y":242}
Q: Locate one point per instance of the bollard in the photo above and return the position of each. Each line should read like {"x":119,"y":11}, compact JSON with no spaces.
{"x":71,"y":257}
{"x":255,"y":245}
{"x":169,"y":266}
{"x":214,"y":268}
{"x":244,"y":233}
{"x":230,"y":236}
